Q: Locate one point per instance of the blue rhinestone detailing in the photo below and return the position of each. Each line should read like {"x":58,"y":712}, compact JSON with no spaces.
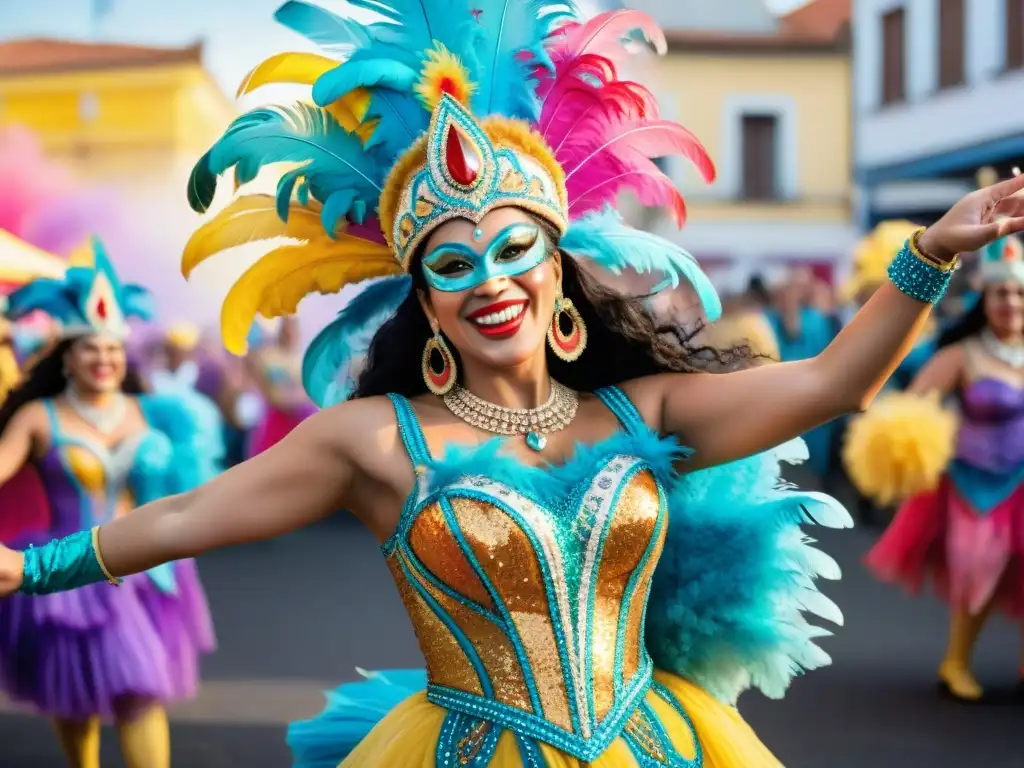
{"x":917,"y":278}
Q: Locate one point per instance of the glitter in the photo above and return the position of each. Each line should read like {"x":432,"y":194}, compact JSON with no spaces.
{"x":917,"y":278}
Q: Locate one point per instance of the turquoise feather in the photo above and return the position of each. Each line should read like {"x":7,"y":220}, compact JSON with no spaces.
{"x":333,"y":157}
{"x":337,"y":205}
{"x":376,"y":73}
{"x":327,"y":366}
{"x":610,"y":242}
{"x":511,"y":44}
{"x":333,"y":33}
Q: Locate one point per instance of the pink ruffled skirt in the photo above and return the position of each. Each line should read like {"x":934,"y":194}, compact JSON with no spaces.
{"x":971,"y":557}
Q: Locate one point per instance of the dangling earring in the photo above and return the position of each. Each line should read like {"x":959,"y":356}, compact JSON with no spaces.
{"x":567,"y":346}
{"x":439,"y":379}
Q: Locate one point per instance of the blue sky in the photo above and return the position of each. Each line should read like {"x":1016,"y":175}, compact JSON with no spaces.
{"x":238,"y":33}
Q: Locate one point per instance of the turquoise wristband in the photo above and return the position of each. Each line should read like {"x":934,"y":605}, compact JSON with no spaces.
{"x":917,"y":278}
{"x":62,"y":565}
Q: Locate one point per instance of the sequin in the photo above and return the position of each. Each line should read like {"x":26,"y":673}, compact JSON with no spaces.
{"x":436,"y":547}
{"x":446,"y":662}
{"x":628,"y":538}
{"x":507,"y":557}
{"x":918,"y":279}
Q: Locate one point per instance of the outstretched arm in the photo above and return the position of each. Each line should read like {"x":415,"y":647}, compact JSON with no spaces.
{"x":302,"y":479}
{"x":942,"y":374}
{"x":727,"y":416}
{"x":305,"y":477}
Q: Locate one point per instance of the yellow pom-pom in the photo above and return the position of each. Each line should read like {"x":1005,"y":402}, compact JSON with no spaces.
{"x":899,"y":447}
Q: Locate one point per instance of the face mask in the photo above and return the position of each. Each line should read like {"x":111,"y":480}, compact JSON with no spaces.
{"x":453,"y":267}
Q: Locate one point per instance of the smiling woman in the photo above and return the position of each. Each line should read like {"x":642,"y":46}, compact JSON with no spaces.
{"x":593,"y":589}
{"x":100,"y":446}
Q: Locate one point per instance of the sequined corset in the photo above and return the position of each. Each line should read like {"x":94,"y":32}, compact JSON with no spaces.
{"x":531,"y":617}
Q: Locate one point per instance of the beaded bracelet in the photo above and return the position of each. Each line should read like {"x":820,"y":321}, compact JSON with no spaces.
{"x":919,"y":275}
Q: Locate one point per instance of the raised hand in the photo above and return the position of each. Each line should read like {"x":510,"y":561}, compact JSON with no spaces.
{"x":978,"y":219}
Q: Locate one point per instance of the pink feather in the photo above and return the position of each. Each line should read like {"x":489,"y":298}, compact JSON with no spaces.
{"x":605,"y":131}
{"x":604,"y":35}
{"x":620,"y":156}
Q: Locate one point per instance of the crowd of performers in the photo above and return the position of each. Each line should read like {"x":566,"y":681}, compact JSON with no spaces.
{"x":572,"y":464}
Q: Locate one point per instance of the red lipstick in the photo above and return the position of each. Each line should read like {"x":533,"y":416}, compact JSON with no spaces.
{"x":502,"y":330}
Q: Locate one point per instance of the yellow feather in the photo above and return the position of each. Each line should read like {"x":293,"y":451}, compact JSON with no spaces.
{"x":304,"y":69}
{"x":249,"y":218}
{"x":299,"y":68}
{"x":275,"y":284}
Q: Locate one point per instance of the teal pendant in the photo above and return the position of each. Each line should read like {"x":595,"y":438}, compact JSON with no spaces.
{"x":536,"y":441}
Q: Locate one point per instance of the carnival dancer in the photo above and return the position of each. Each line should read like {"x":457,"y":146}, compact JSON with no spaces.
{"x":516,"y":430}
{"x":275,"y":367}
{"x":100,"y":447}
{"x":965,"y":531}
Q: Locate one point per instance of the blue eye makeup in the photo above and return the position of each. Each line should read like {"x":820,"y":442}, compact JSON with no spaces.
{"x":454,"y":267}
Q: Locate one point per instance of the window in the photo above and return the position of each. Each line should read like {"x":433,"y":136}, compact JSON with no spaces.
{"x":951,"y":43}
{"x":1015,"y":34}
{"x":893,"y":70}
{"x":760,"y":157}
{"x":88,"y":107}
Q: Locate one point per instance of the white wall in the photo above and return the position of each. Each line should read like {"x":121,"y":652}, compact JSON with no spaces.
{"x":989,"y":106}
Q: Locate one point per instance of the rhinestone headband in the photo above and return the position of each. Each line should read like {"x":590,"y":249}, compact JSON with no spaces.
{"x":466,"y":175}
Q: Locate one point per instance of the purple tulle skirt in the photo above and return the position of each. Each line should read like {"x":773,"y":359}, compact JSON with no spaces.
{"x":74,"y":654}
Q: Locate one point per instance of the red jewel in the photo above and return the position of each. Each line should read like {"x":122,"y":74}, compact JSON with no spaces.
{"x":447,"y":85}
{"x":455,"y":158}
{"x":101,"y":309}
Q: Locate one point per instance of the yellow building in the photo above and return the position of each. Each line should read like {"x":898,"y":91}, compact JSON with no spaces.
{"x":109,"y":109}
{"x":771,"y":101}
{"x":126,"y":118}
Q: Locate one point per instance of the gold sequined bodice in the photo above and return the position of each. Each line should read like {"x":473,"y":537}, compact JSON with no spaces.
{"x":530,"y":614}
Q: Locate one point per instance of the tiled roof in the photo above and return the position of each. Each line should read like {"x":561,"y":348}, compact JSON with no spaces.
{"x":33,"y":55}
{"x":821,"y":19}
{"x":818,"y":26}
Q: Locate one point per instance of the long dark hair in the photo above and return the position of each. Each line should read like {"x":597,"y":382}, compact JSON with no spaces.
{"x":46,"y":379}
{"x":971,"y":323}
{"x":624,"y":342}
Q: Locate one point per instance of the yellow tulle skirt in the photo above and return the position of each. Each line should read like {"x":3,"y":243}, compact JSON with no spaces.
{"x":407,"y":737}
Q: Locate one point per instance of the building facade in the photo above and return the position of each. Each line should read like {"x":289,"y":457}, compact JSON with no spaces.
{"x":770,"y":98}
{"x":939,"y":93}
{"x":130,"y":121}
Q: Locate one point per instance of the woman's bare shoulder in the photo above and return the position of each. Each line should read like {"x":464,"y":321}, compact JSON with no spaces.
{"x":364,"y":430}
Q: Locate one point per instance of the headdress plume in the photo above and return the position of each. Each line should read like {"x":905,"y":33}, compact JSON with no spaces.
{"x":439,"y":109}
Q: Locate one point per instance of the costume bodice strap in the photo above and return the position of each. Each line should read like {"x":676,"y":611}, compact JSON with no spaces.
{"x":619,"y":404}
{"x":409,"y":429}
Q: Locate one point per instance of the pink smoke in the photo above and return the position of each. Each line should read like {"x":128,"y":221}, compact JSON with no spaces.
{"x":42,"y":204}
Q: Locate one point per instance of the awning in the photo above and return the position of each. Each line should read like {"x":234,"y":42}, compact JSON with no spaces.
{"x":21,"y":263}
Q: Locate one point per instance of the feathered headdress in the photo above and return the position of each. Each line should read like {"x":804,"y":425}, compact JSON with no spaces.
{"x":88,"y":300}
{"x":441,"y":109}
{"x":1003,"y":260}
